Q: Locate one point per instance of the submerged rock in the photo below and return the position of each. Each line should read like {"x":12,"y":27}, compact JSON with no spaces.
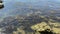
{"x":44,"y":28}
{"x":1,"y":4}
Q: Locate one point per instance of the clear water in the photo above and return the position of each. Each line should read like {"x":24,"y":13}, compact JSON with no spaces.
{"x":11,"y":7}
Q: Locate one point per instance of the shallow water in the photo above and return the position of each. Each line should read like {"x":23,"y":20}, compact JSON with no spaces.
{"x":13,"y":7}
{"x":24,"y":7}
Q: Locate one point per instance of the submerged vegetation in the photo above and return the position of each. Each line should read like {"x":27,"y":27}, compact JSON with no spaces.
{"x":33,"y":24}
